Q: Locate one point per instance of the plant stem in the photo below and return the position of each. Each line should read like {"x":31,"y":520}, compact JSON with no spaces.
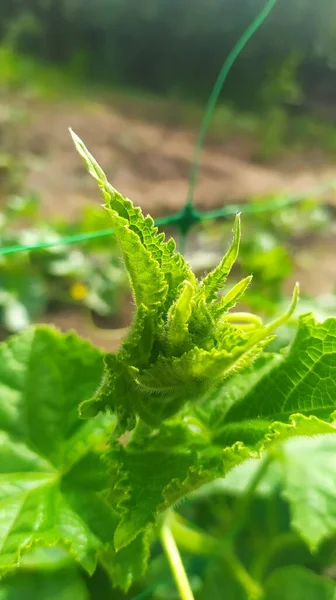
{"x":192,"y":539}
{"x":243,"y":317}
{"x":175,"y":562}
{"x":198,"y":542}
{"x":251,"y":587}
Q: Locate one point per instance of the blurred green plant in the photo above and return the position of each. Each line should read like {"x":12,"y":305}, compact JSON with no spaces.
{"x":268,"y":247}
{"x":89,"y":275}
{"x":116,"y":41}
{"x":12,"y":158}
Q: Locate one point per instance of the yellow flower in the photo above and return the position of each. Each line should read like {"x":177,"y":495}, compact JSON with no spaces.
{"x":78,"y":291}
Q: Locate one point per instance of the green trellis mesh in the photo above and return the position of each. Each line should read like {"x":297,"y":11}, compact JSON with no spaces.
{"x":183,"y":220}
{"x":188,"y":216}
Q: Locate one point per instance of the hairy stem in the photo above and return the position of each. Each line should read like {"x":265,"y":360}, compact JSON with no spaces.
{"x":284,"y":318}
{"x":175,"y":561}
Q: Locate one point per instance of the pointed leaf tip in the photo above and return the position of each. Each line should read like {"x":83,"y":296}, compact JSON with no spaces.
{"x":90,"y":162}
{"x":214,"y":281}
{"x":284,"y":318}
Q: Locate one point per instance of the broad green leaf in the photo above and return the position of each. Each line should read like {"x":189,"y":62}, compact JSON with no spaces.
{"x":302,"y":380}
{"x":150,"y":476}
{"x":294,"y":583}
{"x":50,"y":467}
{"x":58,"y":585}
{"x":158,"y":468}
{"x":129,"y":564}
{"x":298,"y":425}
{"x":309,"y":485}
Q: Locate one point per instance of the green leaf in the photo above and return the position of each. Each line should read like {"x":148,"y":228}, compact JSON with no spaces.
{"x":309,"y":485}
{"x":51,"y":469}
{"x":178,"y":318}
{"x":232,"y":297}
{"x":294,"y":583}
{"x":148,"y":283}
{"x":129,"y":564}
{"x":154,"y":268}
{"x":59,"y":585}
{"x":214,"y":281}
{"x":192,"y":369}
{"x":181,"y":344}
{"x":158,"y":468}
{"x":302,"y":380}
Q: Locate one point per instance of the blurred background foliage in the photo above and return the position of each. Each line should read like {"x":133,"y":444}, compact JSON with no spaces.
{"x":114,"y":41}
{"x":158,"y":59}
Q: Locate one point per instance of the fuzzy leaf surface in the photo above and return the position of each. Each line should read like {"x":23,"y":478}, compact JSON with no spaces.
{"x":179,"y":342}
{"x":154,"y":268}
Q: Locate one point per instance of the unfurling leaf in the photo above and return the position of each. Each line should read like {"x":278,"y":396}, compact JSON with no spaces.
{"x":180,"y":343}
{"x":214,"y":281}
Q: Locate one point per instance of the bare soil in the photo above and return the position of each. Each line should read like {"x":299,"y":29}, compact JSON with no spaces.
{"x":149,"y":162}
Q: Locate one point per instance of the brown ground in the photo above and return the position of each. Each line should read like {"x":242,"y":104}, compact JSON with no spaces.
{"x":149,"y":162}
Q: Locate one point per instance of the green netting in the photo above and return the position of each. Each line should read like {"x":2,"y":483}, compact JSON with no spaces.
{"x":186,"y":218}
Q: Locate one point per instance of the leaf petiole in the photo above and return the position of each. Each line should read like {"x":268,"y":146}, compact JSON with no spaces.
{"x":191,"y":539}
{"x":175,"y":561}
{"x":197,"y":542}
{"x":284,"y":318}
{"x":243,"y":317}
